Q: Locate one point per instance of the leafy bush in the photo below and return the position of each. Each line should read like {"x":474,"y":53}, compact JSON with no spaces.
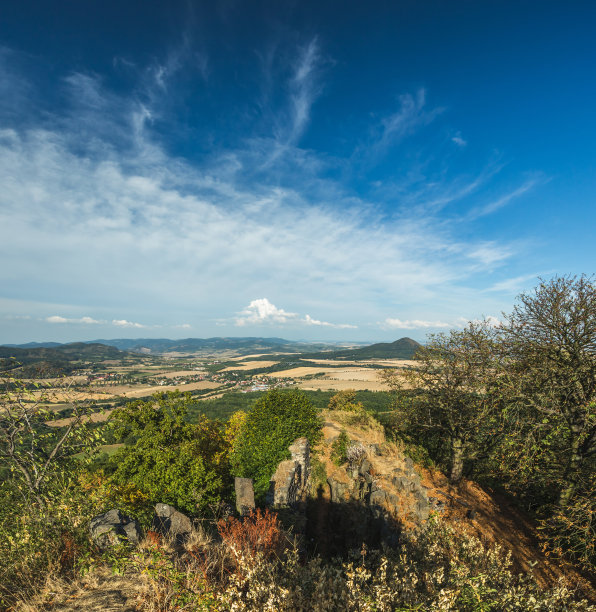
{"x":171,"y":461}
{"x":345,"y":400}
{"x":273,"y":423}
{"x":318,"y":474}
{"x":339,"y":448}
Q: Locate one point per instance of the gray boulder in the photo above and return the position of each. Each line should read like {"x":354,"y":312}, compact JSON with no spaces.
{"x":170,"y":522}
{"x":113,"y":528}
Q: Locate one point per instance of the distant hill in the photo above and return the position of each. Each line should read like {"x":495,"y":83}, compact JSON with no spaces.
{"x":99,"y":350}
{"x":35,"y":345}
{"x":404,"y":348}
{"x":57,"y":359}
{"x":192,"y":345}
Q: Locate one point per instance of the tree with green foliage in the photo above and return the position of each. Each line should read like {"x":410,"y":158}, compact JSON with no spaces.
{"x":273,"y":423}
{"x":171,"y":460}
{"x":345,"y":400}
{"x":452,"y":375}
{"x":550,"y":343}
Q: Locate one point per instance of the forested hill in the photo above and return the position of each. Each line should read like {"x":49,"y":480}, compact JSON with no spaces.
{"x":404,"y":348}
{"x":57,"y":359}
{"x":191,"y":345}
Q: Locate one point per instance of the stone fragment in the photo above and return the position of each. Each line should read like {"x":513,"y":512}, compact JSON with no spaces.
{"x":337,"y":489}
{"x":168,"y":521}
{"x":245,"y":495}
{"x":378,"y":497}
{"x":112,"y":528}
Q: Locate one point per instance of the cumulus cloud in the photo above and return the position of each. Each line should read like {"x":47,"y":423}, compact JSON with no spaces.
{"x":412,"y":324}
{"x":262,"y":311}
{"x":125,"y":323}
{"x":83,"y":320}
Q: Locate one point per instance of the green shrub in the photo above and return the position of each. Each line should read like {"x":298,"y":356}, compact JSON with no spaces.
{"x":171,"y":460}
{"x":273,"y":423}
{"x":339,"y":448}
{"x":318,"y":474}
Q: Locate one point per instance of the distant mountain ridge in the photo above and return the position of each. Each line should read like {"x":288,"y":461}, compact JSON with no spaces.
{"x":404,"y":348}
{"x":189,"y":345}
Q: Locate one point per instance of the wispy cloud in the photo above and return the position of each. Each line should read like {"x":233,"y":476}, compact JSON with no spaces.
{"x":412,"y":324}
{"x":139,"y":230}
{"x":303,"y":89}
{"x":310,"y":321}
{"x":459,"y":141}
{"x":504,"y":200}
{"x":92,"y":321}
{"x":411,"y":116}
{"x":515,"y":284}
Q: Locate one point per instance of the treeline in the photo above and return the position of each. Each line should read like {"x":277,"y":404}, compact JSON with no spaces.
{"x":514,"y":405}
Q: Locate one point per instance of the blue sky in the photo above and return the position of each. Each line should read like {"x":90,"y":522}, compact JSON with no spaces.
{"x":310,"y":170}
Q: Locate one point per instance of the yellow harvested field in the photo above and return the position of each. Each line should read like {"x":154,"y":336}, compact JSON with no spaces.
{"x":336,"y":378}
{"x":301,"y":371}
{"x":250,"y":365}
{"x":97,"y":417}
{"x":245,"y":357}
{"x":326,"y":384}
{"x":364,"y":374}
{"x":391,"y":363}
{"x":55,"y":396}
{"x":333,"y":362}
{"x":180,"y":373}
{"x":135,"y":391}
{"x":63,"y":381}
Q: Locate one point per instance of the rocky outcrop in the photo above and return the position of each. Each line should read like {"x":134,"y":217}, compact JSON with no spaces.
{"x":112,"y":528}
{"x":399,"y":492}
{"x":289,"y":485}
